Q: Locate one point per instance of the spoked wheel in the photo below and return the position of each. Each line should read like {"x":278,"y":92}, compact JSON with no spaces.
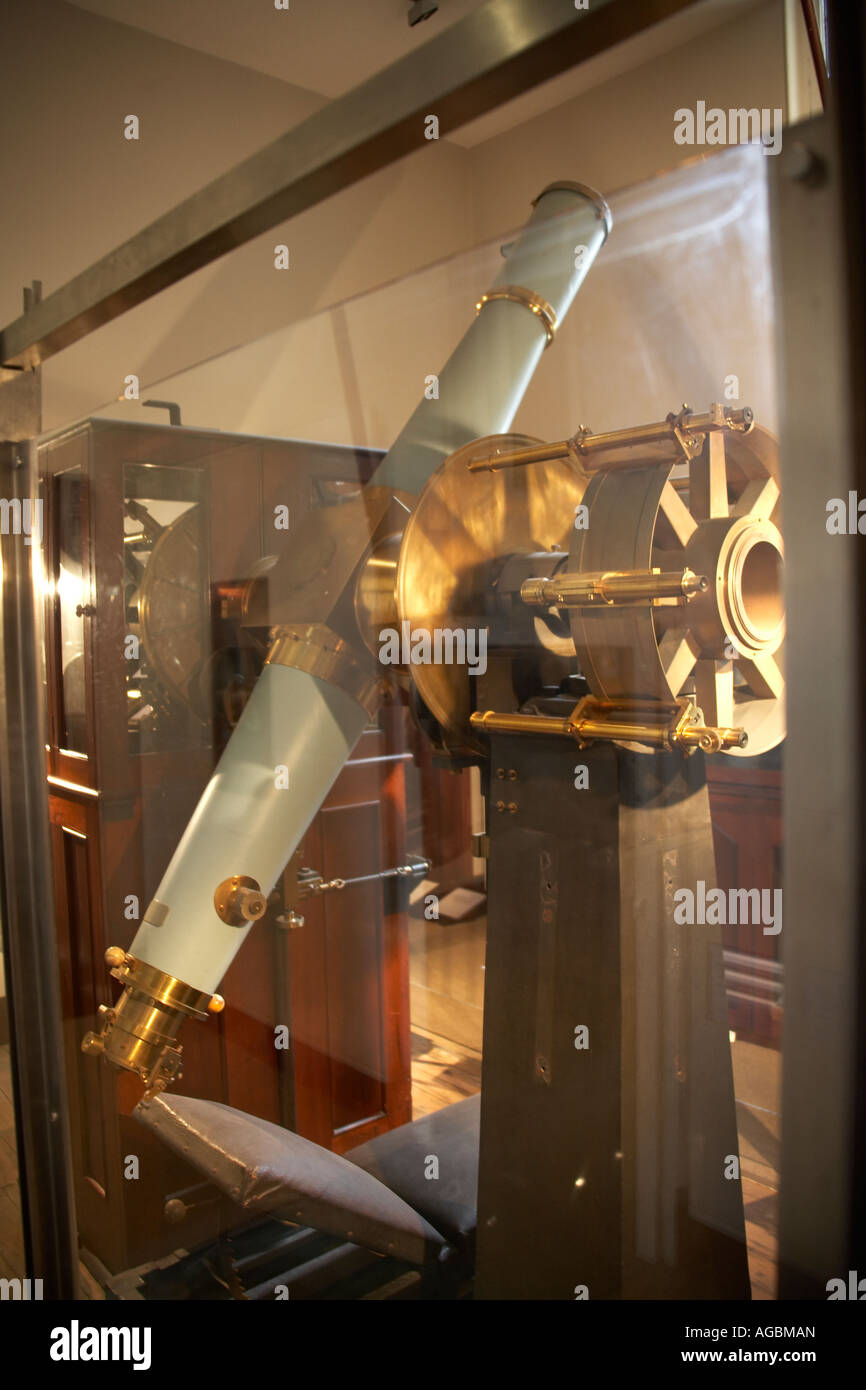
{"x":726,"y":644}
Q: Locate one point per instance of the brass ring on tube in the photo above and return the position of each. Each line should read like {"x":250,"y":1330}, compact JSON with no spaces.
{"x":320,"y":652}
{"x":532,"y":301}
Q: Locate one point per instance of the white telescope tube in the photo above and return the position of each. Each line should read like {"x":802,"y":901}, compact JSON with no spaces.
{"x":248,"y":820}
{"x":245,"y":822}
{"x":486,"y":376}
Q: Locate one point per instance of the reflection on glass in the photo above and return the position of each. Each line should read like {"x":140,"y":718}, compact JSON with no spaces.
{"x":72,"y":587}
{"x":165,"y":586}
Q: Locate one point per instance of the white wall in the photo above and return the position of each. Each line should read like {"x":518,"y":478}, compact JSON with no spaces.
{"x":679,"y":300}
{"x":75,"y":188}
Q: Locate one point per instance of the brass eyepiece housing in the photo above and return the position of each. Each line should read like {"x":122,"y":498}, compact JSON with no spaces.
{"x":138,"y":1033}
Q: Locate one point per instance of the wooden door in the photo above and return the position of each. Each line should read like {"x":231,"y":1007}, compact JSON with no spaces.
{"x":346,"y":970}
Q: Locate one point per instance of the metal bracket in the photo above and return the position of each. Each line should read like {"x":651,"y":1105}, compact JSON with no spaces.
{"x":311,"y":884}
{"x":691,"y":444}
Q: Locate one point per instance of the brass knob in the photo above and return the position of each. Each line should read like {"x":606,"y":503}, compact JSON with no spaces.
{"x":239,"y":900}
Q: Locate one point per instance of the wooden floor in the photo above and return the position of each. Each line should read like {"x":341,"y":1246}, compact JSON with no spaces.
{"x":444,"y":1072}
{"x":757,"y":1087}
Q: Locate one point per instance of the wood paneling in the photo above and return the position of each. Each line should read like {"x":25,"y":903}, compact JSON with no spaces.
{"x":352,"y":1061}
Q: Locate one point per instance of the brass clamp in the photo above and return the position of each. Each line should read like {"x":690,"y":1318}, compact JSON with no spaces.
{"x":137,"y":1034}
{"x":690,"y":430}
{"x":691,"y":444}
{"x":532,"y":301}
{"x":312,"y":884}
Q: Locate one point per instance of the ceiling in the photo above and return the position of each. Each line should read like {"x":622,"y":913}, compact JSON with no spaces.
{"x":330,"y":46}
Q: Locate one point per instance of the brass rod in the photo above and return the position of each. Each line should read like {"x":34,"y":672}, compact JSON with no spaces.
{"x":520,"y":723}
{"x":576,"y":590}
{"x":713,"y":419}
{"x":663,"y":434}
{"x":669,"y":732}
{"x":517,"y":458}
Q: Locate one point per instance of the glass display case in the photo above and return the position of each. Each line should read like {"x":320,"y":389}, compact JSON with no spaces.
{"x":189,"y":561}
{"x":417,"y":764}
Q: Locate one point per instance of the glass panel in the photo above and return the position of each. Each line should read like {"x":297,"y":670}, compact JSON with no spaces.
{"x":394,"y":961}
{"x":419,"y":913}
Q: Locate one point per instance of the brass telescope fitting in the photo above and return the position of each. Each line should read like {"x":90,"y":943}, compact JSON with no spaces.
{"x":518,"y":295}
{"x":675,"y":439}
{"x":579,"y":590}
{"x":315,"y":648}
{"x":137,"y":1034}
{"x":239,"y":901}
{"x":678,"y":725}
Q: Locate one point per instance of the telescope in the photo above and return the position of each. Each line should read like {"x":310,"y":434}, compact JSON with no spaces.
{"x":320,"y":685}
{"x":586,"y":621}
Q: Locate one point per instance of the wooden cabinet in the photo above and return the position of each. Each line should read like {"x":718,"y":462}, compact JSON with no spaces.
{"x":121,"y":795}
{"x":352,"y":1064}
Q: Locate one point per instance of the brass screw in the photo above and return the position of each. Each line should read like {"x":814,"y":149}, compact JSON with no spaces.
{"x":500,"y":805}
{"x":500,"y":773}
{"x":512,"y":806}
{"x":512,"y":774}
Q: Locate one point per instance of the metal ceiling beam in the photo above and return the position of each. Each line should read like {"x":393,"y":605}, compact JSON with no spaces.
{"x":503,"y":49}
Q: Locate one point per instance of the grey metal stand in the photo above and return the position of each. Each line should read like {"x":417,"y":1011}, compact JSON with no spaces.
{"x":602,"y":1167}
